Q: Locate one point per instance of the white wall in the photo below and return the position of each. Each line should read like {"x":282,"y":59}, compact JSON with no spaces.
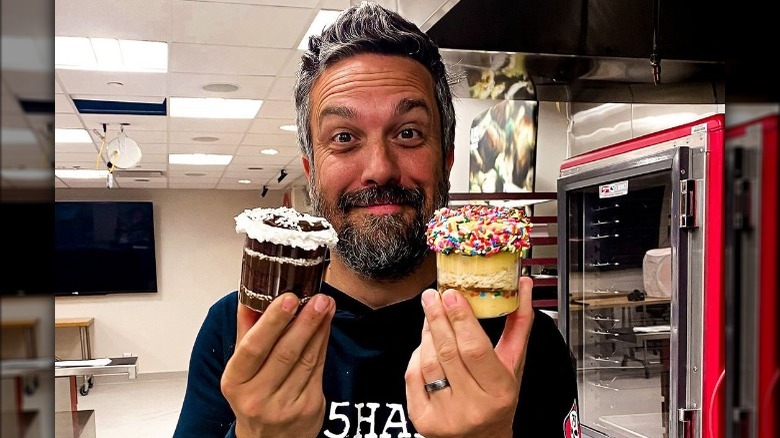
{"x":198,"y":261}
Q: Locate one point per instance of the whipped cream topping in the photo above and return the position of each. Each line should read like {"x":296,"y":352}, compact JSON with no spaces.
{"x":286,"y":226}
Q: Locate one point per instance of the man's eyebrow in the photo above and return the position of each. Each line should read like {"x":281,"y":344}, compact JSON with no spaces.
{"x":407,"y":104}
{"x":339,"y":111}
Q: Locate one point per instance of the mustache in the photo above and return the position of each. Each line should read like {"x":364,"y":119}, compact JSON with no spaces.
{"x":386,"y":194}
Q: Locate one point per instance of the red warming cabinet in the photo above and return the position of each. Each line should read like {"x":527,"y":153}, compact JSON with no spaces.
{"x":641,"y":274}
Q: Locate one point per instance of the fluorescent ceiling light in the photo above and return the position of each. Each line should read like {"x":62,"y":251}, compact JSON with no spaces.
{"x":62,"y":135}
{"x":269,"y":151}
{"x":323,"y":19}
{"x":245,"y":181}
{"x":214,"y":107}
{"x":288,"y":128}
{"x":26,"y":174}
{"x":200,"y":159}
{"x":18,"y":136}
{"x":108,"y":54}
{"x":80,"y":173}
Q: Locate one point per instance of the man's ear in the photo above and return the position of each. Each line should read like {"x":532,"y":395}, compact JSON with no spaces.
{"x":306,"y":167}
{"x":448,"y":161}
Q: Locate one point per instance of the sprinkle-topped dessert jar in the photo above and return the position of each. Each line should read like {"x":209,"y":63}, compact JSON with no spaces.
{"x":284,"y":251}
{"x":478,"y":250}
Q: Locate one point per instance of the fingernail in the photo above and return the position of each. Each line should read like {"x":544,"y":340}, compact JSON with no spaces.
{"x":320,"y":303}
{"x":449,"y":298}
{"x":289,"y":303}
{"x":427,"y":297}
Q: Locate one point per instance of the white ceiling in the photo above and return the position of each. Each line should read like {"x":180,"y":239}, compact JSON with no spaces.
{"x":249,"y":43}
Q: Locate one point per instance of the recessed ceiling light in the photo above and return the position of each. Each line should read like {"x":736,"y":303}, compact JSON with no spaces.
{"x":80,"y":173}
{"x":289,"y":128}
{"x":62,"y":135}
{"x":205,"y":138}
{"x":214,"y":107}
{"x":108,"y":54}
{"x":200,"y":159}
{"x":220,"y":87}
{"x":115,"y":84}
{"x":245,"y":181}
{"x":269,"y":151}
{"x":195,"y":174}
{"x":323,"y":19}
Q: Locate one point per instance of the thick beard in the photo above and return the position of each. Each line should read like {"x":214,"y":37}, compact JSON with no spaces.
{"x":381,"y":247}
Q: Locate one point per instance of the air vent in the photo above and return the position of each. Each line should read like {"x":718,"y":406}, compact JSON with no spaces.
{"x":139,"y":173}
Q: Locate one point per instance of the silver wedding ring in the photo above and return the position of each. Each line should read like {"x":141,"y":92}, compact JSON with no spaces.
{"x":437,"y":385}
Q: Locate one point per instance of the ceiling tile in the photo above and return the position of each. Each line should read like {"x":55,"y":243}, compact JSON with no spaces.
{"x":229,"y":60}
{"x":96,"y":82}
{"x":190,"y":85}
{"x":193,"y":168}
{"x":284,"y":153}
{"x":30,"y":85}
{"x":293,"y":3}
{"x":239,"y":24}
{"x":261,"y":160}
{"x":192,"y":183}
{"x":81,"y":157}
{"x":283,"y":89}
{"x":148,"y":20}
{"x":202,"y":149}
{"x":150,"y":149}
{"x":9,"y":104}
{"x":270,"y":126}
{"x":208,"y":125}
{"x":273,"y":140}
{"x":135,"y":123}
{"x":23,"y":18}
{"x":83,"y":148}
{"x":187,"y":137}
{"x":152,"y":183}
{"x":64,"y":120}
{"x":277,"y":109}
{"x":142,"y":137}
{"x":290,"y":68}
{"x":237,"y":172}
{"x":62,"y":104}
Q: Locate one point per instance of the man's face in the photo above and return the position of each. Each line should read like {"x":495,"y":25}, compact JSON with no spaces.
{"x":378,"y":171}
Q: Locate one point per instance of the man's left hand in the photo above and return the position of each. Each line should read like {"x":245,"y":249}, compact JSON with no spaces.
{"x":484,"y":383}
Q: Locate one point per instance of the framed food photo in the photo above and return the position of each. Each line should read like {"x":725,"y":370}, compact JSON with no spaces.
{"x":503,"y":148}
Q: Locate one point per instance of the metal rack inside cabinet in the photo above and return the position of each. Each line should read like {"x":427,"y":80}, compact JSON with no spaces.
{"x":543,"y":269}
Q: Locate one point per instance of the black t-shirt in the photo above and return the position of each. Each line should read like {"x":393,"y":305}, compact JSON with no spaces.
{"x":363,"y":382}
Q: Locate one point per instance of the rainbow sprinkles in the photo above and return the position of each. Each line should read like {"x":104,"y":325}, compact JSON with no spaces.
{"x":478,"y":230}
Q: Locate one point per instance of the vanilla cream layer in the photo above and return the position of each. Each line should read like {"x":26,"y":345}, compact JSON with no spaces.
{"x":490,"y":306}
{"x":287,"y":260}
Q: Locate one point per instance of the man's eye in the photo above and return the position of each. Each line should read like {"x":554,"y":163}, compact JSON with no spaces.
{"x":408,"y":133}
{"x":343,"y":137}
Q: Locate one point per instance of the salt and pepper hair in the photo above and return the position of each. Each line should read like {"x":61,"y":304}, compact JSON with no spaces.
{"x":370,"y":28}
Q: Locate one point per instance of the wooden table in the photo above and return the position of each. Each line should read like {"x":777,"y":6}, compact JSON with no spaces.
{"x":29,"y":327}
{"x":83,"y":324}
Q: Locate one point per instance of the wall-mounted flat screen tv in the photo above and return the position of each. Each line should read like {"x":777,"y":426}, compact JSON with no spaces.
{"x":104,"y":247}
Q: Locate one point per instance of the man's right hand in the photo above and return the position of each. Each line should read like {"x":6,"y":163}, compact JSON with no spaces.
{"x":273,"y":381}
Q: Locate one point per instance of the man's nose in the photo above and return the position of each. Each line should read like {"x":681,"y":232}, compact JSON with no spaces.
{"x":381,"y":164}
